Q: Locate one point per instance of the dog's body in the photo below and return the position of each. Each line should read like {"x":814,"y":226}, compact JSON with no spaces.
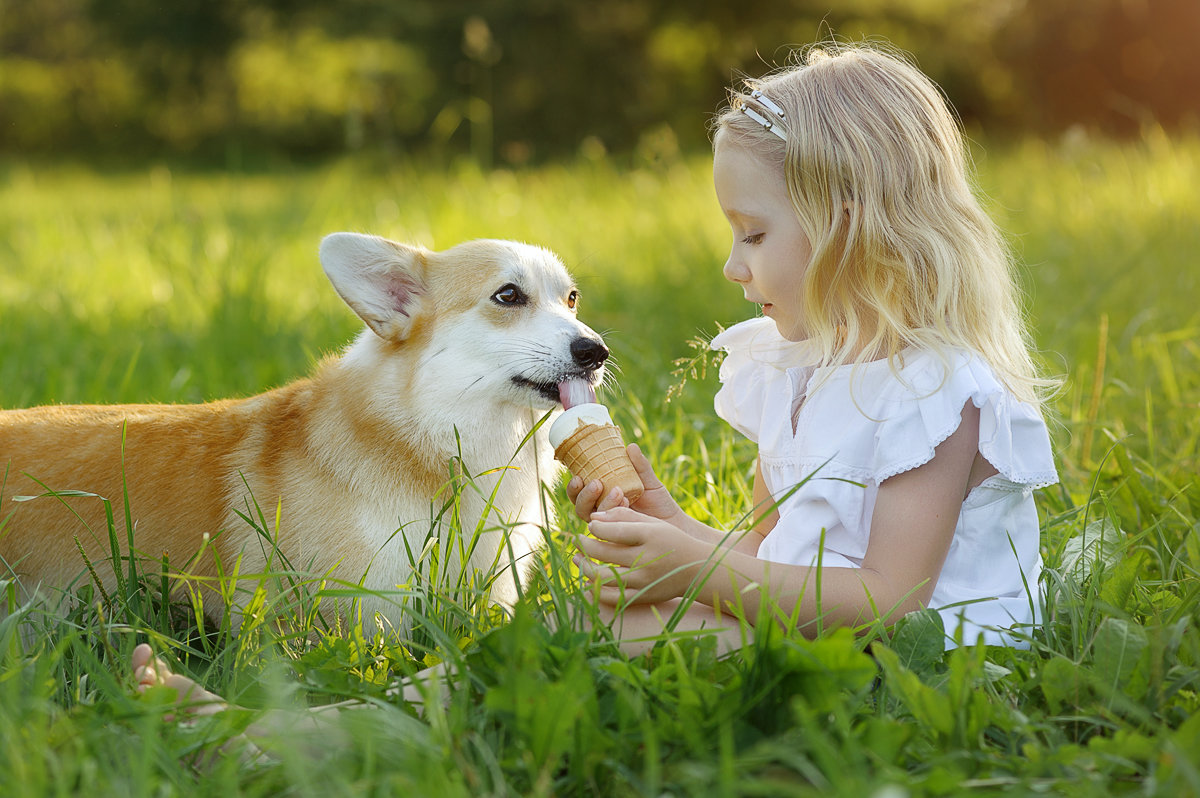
{"x":463,"y":354}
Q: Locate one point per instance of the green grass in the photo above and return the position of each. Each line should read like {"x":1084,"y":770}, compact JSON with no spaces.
{"x":171,"y":286}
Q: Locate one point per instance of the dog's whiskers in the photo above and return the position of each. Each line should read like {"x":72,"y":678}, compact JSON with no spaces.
{"x":528,"y":348}
{"x":467,"y":389}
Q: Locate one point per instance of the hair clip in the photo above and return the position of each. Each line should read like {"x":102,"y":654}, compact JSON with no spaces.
{"x":770,"y":105}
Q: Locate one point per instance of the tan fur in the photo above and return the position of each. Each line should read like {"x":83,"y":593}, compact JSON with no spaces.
{"x":351,"y":455}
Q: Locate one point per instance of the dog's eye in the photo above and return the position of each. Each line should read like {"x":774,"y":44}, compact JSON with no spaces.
{"x":509,"y":295}
{"x":572,"y":299}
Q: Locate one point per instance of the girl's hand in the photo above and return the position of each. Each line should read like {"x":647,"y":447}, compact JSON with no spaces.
{"x":641,"y":559}
{"x":655,"y":502}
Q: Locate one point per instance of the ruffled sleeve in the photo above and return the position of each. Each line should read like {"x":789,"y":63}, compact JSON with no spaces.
{"x":924,"y":408}
{"x":756,"y":356}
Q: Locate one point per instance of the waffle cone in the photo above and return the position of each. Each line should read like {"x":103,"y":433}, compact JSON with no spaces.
{"x":597,"y":452}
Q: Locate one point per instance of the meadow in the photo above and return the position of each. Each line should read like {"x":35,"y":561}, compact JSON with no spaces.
{"x":171,"y":284}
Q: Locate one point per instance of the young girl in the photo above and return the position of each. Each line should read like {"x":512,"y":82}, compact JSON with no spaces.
{"x":888,"y":385}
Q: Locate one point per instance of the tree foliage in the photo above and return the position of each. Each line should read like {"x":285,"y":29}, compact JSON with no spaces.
{"x":513,"y":80}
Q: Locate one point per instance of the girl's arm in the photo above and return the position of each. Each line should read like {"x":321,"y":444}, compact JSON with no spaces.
{"x":914,"y":520}
{"x":764,"y":503}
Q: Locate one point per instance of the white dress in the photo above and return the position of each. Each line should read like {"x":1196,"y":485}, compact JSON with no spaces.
{"x":862,"y":425}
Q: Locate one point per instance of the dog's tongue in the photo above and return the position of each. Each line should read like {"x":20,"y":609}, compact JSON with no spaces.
{"x":575,"y":391}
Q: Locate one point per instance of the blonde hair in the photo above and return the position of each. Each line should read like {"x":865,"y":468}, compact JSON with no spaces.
{"x":902,"y":252}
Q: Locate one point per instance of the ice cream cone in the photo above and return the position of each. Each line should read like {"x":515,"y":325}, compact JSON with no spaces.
{"x":597,"y":452}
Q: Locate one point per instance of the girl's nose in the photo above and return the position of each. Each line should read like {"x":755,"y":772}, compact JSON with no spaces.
{"x":735,"y":270}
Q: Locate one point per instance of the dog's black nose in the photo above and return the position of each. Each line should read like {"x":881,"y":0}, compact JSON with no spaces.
{"x":589,"y":353}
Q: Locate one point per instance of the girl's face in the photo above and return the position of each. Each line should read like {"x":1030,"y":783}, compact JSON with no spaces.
{"x":770,"y":251}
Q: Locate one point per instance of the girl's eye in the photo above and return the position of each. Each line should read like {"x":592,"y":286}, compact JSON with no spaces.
{"x":755,"y":238}
{"x":572,"y":299}
{"x":509,"y":295}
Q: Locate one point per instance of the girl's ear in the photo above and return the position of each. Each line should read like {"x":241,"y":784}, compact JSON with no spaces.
{"x":381,"y":280}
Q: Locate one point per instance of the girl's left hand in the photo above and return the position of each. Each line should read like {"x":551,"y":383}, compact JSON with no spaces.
{"x":641,"y":559}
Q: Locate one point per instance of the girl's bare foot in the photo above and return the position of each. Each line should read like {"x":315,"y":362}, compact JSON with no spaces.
{"x":193,"y":700}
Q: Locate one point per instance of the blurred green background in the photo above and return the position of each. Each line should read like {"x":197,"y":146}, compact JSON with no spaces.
{"x":514,"y":81}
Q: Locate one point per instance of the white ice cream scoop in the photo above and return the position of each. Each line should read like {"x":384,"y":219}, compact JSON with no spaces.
{"x":575,"y":417}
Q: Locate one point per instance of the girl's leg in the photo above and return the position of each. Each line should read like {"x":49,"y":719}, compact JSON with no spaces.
{"x":195,"y":701}
{"x":638,"y":627}
{"x":150,"y":671}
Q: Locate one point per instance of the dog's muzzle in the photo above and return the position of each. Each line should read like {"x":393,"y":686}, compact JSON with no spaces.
{"x":587,"y":358}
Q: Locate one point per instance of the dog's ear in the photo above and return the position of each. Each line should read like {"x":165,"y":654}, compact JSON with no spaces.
{"x":382,"y":281}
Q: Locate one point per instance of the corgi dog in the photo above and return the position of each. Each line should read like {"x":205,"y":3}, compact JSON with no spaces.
{"x":463,"y":352}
